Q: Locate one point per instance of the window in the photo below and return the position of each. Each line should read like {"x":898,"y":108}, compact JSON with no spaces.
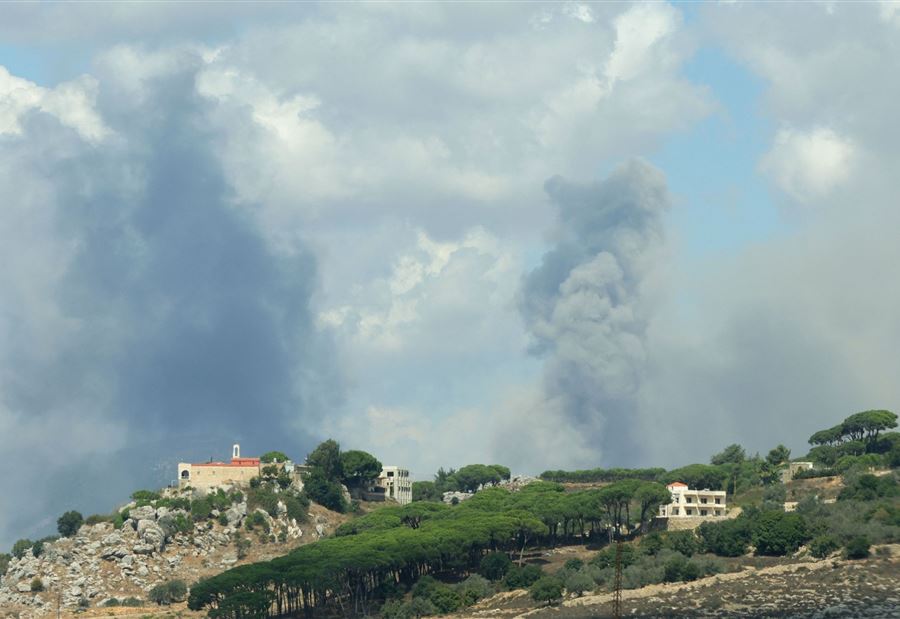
{"x":688,"y":499}
{"x":674,"y":498}
{"x":718,"y":512}
{"x":390,"y":473}
{"x":689,"y":511}
{"x":675,"y":511}
{"x":703,"y":500}
{"x":718,"y":501}
{"x":702,"y":512}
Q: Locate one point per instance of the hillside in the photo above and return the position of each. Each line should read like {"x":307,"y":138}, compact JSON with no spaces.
{"x":743,"y":536}
{"x":104,"y":562}
{"x":800,"y":586}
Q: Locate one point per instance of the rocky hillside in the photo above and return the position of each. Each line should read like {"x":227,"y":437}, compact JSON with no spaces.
{"x":102,"y":562}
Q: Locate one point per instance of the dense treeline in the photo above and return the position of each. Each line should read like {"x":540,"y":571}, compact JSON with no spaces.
{"x":861,"y":439}
{"x":396,"y":545}
{"x":602,"y":475}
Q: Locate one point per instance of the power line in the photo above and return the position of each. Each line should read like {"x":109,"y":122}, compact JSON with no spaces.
{"x":617,"y":589}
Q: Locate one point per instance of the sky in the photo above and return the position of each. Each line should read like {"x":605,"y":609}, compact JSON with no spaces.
{"x":560,"y":235}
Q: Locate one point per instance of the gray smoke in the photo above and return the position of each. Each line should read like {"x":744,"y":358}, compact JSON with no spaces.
{"x":586,"y":309}
{"x":145,"y":318}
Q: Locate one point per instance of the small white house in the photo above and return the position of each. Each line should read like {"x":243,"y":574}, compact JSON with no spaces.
{"x":689,"y":503}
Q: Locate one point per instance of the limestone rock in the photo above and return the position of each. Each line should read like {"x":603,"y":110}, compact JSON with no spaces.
{"x":235,"y":513}
{"x":151,"y":534}
{"x":143,"y":513}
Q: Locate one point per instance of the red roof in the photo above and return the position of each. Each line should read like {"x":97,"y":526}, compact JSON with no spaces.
{"x":238,"y":462}
{"x":678,"y":484}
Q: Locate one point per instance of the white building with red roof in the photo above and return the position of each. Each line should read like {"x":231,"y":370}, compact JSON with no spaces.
{"x":689,"y":503}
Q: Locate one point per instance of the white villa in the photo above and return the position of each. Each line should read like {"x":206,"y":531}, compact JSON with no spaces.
{"x":688,"y":503}
{"x":396,"y":483}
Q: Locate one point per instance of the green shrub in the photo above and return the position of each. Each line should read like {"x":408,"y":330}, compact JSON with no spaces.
{"x":777,"y":533}
{"x":21,"y":547}
{"x":494,"y":565}
{"x":69,"y":523}
{"x":729,"y":538}
{"x":257,"y":520}
{"x":857,"y":548}
{"x":265,"y":498}
{"x":651,"y":543}
{"x":673,"y":570}
{"x":97,"y":519}
{"x":175,"y":503}
{"x":869,"y":488}
{"x":297,"y":507}
{"x":691,"y":571}
{"x":424,"y":587}
{"x":815,"y":473}
{"x":578,"y":582}
{"x":546,"y":589}
{"x":5,"y":558}
{"x":522,"y":577}
{"x":445,"y":599}
{"x":241,"y":545}
{"x":169,"y":592}
{"x":37,"y":549}
{"x":607,"y":556}
{"x":324,"y":491}
{"x":573,"y":564}
{"x":474,"y":588}
{"x":684,"y":542}
{"x":144,"y":495}
{"x":179,"y":523}
{"x":37,"y":585}
{"x":823,"y":545}
{"x":201,"y":508}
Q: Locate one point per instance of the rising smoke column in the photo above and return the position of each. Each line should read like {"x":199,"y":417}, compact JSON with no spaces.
{"x":587,"y":311}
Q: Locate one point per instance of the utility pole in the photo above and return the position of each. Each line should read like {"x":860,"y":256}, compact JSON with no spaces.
{"x":617,"y":587}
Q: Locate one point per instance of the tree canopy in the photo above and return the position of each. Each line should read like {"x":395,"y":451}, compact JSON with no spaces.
{"x":69,"y":523}
{"x":733,"y":454}
{"x":273,"y":456}
{"x":327,"y":457}
{"x":359,"y":467}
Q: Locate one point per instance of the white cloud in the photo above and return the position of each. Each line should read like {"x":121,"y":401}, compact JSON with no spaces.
{"x":72,"y":103}
{"x":640,"y":32}
{"x":809,"y":165}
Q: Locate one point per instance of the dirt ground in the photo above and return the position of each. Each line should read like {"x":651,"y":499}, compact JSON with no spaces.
{"x":802,"y":589}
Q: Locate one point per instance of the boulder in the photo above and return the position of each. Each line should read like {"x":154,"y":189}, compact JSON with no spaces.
{"x":151,"y":534}
{"x":143,"y":549}
{"x":114,"y":552}
{"x":235,"y":513}
{"x":143,"y":513}
{"x":113,"y":539}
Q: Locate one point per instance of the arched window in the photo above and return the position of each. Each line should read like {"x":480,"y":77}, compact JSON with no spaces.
{"x":185,"y":474}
